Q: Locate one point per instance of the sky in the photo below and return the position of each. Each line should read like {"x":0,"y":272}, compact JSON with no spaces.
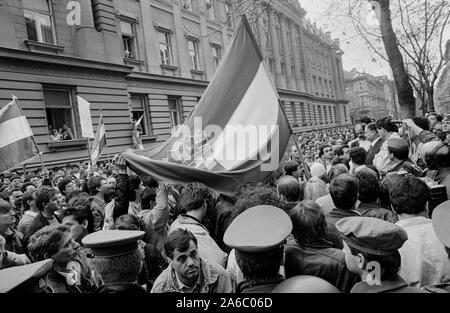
{"x":356,"y":52}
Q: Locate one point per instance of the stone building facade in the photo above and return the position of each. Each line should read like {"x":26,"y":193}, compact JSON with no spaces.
{"x":130,"y":58}
{"x":369,"y":95}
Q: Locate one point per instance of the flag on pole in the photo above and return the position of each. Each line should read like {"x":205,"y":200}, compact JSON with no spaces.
{"x":136,"y":137}
{"x":236,"y":134}
{"x":84,"y":109}
{"x":99,"y":141}
{"x":16,"y":138}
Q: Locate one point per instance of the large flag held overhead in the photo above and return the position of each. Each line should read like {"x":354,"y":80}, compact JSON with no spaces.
{"x":99,"y":141}
{"x":16,"y":138}
{"x":236,"y":134}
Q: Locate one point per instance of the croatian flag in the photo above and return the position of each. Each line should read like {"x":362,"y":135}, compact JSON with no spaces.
{"x":16,"y":137}
{"x":99,"y":141}
{"x":236,"y":134}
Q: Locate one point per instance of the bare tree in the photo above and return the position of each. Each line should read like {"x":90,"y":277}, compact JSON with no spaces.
{"x":410,"y":38}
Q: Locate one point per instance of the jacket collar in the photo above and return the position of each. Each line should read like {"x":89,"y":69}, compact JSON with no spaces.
{"x":207,"y":278}
{"x":385,"y":286}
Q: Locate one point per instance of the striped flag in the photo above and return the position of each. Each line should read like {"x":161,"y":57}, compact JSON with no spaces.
{"x":99,"y":141}
{"x":16,"y":138}
{"x":237,"y":133}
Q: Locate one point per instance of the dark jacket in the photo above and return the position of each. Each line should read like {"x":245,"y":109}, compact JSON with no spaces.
{"x":377,"y":211}
{"x":265,"y":286}
{"x":154,"y":265}
{"x":395,"y":286}
{"x":320,"y":259}
{"x":224,"y":216}
{"x":122,"y":198}
{"x":13,"y":241}
{"x":373,"y":151}
{"x":39,"y":222}
{"x":332,"y":218}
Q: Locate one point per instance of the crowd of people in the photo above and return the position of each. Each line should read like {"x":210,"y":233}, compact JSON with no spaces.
{"x":376,"y":195}
{"x":60,"y":134}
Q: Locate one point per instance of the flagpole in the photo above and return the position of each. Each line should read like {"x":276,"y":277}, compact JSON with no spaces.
{"x":300,"y":153}
{"x":15,"y":99}
{"x":89,"y":151}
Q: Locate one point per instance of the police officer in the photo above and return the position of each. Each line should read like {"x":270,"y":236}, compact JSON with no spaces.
{"x":116,"y":260}
{"x":371,"y":251}
{"x":258,"y":235}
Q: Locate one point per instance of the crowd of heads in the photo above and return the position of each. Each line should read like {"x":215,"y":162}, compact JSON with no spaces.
{"x":331,"y":205}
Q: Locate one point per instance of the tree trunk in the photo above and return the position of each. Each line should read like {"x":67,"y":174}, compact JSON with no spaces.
{"x":404,"y":89}
{"x":430,"y":96}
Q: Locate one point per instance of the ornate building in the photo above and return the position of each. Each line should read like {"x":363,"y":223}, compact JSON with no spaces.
{"x":370,"y":95}
{"x":154,"y":58}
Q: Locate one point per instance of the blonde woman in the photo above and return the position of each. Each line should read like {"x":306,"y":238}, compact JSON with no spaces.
{"x":315,"y":188}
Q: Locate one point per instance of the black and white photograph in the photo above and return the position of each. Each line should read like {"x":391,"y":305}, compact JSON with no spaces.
{"x":224,"y":147}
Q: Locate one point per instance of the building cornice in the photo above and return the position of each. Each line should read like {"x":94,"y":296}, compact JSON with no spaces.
{"x":63,"y":60}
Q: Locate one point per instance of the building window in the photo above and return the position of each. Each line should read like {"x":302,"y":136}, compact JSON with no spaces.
{"x":217,"y":56}
{"x":176,"y":111}
{"x":302,"y":108}
{"x":139,"y":108}
{"x":331,"y":115}
{"x":129,"y":39}
{"x":60,"y":111}
{"x":229,"y":14}
{"x":320,"y":115}
{"x":39,"y":21}
{"x":326,"y":114}
{"x":165,"y":48}
{"x":211,"y":14}
{"x":283,"y":69}
{"x":345,"y":113}
{"x":335,"y":114}
{"x":193,"y":53}
{"x":271,"y":65}
{"x":294,"y":113}
{"x":187,"y":5}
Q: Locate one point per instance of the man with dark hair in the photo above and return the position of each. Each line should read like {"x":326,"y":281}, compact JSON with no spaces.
{"x":360,"y":140}
{"x":101,"y":195}
{"x":67,"y":185}
{"x":80,"y":220}
{"x":369,"y":191}
{"x":188,"y":272}
{"x":290,"y":168}
{"x":11,"y":236}
{"x":290,"y":191}
{"x":357,"y":159}
{"x":325,"y":156}
{"x":387,"y":130}
{"x":433,"y":119}
{"x":194,"y":200}
{"x":371,"y":248}
{"x":46,"y":203}
{"x":344,"y":193}
{"x":30,"y":213}
{"x":310,"y":253}
{"x":343,"y":152}
{"x":424,"y":260}
{"x":375,"y":142}
{"x":259,"y":253}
